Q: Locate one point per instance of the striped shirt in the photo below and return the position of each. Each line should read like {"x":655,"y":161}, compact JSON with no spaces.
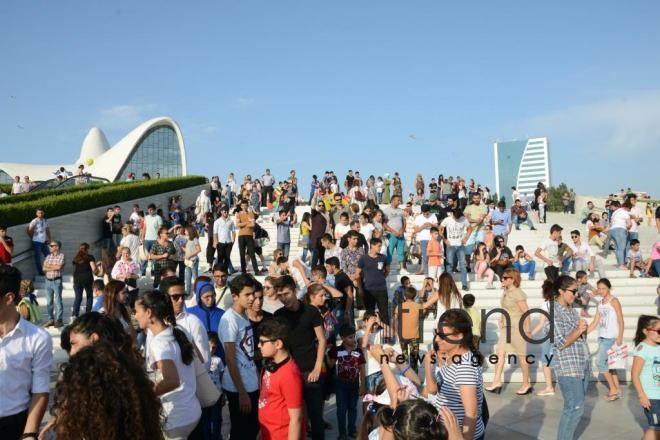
{"x":572,"y":360}
{"x":450,"y":378}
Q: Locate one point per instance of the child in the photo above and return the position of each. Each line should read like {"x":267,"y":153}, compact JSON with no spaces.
{"x":372,"y":334}
{"x":489,"y":237}
{"x":585,"y":293}
{"x":350,"y":384}
{"x":28,"y":307}
{"x":216,"y":368}
{"x":399,"y":293}
{"x":635,"y":259}
{"x":482,"y":265}
{"x":284,"y":232}
{"x":426,"y":292}
{"x":475,"y":317}
{"x":646,"y":362}
{"x":434,"y":252}
{"x":407,"y":317}
{"x":280,"y":399}
{"x":97,"y":288}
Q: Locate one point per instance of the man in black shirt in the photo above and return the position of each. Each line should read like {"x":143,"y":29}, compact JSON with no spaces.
{"x":436,"y":208}
{"x":107,"y":241}
{"x":348,"y":183}
{"x":344,"y":309}
{"x":116,"y":225}
{"x":307,"y":347}
{"x":373,"y":269}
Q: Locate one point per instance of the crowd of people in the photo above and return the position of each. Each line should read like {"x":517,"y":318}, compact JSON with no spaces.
{"x":160,"y":357}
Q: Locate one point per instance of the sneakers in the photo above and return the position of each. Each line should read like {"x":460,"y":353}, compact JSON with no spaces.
{"x":49,"y":323}
{"x":404,"y":272}
{"x":58,"y":324}
{"x":466,"y":288}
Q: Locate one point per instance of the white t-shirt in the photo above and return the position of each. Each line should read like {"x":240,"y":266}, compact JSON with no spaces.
{"x":425,"y":234}
{"x":550,"y":250}
{"x":198,"y":334}
{"x":180,"y":406}
{"x":151,"y":225}
{"x":455,"y":230}
{"x":237,"y":329}
{"x":582,"y":252}
{"x":39,"y":226}
{"x":341,"y":230}
{"x":372,"y":366}
{"x":636,"y":211}
{"x":619,"y":218}
{"x":367,"y":230}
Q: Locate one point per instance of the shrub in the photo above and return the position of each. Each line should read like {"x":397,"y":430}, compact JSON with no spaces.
{"x":84,"y":197}
{"x":6,"y":188}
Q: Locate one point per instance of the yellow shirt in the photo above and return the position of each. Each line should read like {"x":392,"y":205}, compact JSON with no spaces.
{"x":475,"y":316}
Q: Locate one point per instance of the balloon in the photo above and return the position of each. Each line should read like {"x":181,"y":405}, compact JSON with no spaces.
{"x":89,"y":162}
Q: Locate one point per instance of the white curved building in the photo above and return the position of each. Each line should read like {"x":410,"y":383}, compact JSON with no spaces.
{"x":155,"y":146}
{"x":523,"y":164}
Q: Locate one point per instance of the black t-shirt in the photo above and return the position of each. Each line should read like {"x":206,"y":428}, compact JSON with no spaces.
{"x":373,"y":272}
{"x":506,"y":253}
{"x":302,"y":339}
{"x":657,"y":212}
{"x":106,"y":229}
{"x":116,"y":223}
{"x":342,"y":283}
{"x":350,"y":180}
{"x":82,"y":273}
{"x":439,"y":211}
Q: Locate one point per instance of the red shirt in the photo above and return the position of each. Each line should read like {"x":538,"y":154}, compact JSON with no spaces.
{"x":5,"y":256}
{"x":280,"y":391}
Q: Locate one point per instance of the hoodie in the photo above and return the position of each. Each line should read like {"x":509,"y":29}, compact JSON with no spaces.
{"x":210,"y":316}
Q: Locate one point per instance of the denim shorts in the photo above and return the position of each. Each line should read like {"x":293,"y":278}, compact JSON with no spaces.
{"x":653,"y":415}
{"x":373,"y":380}
{"x":604,"y":344}
{"x":546,"y":353}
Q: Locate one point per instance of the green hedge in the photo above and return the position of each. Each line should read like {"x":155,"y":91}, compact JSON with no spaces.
{"x":6,"y":188}
{"x":34,"y":195}
{"x":84,"y":197}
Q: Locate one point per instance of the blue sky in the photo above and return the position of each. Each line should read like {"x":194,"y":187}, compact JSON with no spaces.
{"x":317,"y":85}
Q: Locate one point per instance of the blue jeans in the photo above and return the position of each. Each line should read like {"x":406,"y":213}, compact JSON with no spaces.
{"x":147,"y":247}
{"x":529,"y":267}
{"x":604,"y":344}
{"x":78,"y":291}
{"x":191,"y":274}
{"x":574,"y":390}
{"x":285,"y":248}
{"x":620,"y":237}
{"x":54,"y":290}
{"x":41,"y":251}
{"x":347,"y":397}
{"x":398,"y":243}
{"x":425,"y":258}
{"x":517,"y":222}
{"x":459,"y":253}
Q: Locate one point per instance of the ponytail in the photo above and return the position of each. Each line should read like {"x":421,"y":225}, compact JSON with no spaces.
{"x":551,"y":288}
{"x":161,"y":308}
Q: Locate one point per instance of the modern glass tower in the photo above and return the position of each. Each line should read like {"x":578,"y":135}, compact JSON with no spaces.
{"x":522,"y":164}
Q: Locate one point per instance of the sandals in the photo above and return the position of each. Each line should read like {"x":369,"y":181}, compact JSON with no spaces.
{"x":611,"y":397}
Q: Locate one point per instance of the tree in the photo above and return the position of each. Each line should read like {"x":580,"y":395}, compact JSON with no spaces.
{"x":554,"y":202}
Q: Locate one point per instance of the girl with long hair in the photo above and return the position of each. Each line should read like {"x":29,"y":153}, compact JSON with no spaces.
{"x":115,"y":300}
{"x":446,"y":297}
{"x":609,"y":320}
{"x":644,"y":376}
{"x":482,"y":265}
{"x":94,"y":327}
{"x":457,"y":385}
{"x":84,"y":268}
{"x":169,"y":361}
{"x":105,"y":394}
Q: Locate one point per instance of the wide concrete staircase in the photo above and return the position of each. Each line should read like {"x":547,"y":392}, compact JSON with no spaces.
{"x":638,"y":296}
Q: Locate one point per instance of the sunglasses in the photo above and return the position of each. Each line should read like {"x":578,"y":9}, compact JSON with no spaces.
{"x":653,"y":330}
{"x":263,"y":341}
{"x":177,"y":297}
{"x":574,"y":236}
{"x":506,"y":278}
{"x":53,"y":245}
{"x":573,"y":291}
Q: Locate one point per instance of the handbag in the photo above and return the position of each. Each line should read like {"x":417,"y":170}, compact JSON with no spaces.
{"x":207,"y":393}
{"x":617,"y":356}
{"x":143,"y":255}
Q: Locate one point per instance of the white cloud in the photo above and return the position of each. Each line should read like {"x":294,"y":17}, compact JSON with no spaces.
{"x":125,"y":117}
{"x":628,"y":123}
{"x":245,"y":102}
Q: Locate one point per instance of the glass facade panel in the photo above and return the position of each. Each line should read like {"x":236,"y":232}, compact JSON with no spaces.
{"x":157,"y":152}
{"x":5,"y":178}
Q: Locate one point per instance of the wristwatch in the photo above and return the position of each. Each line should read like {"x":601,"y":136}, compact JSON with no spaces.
{"x":33,"y":435}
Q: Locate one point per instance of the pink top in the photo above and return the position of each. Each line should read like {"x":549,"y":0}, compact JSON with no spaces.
{"x":655,"y":251}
